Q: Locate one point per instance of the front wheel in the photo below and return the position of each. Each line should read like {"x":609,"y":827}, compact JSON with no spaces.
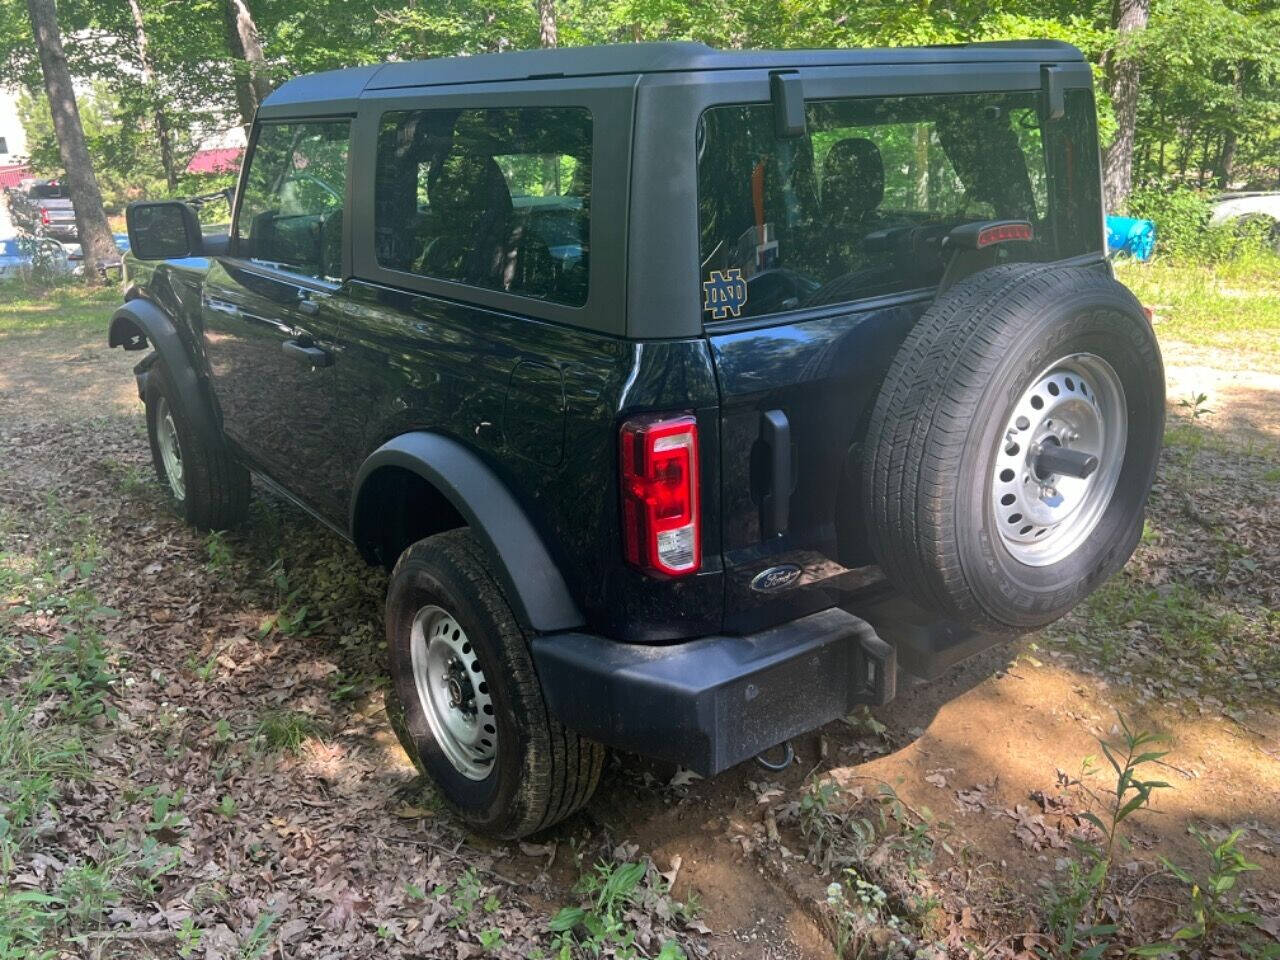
{"x":465,"y":701}
{"x":1014,"y":444}
{"x":205,"y":484}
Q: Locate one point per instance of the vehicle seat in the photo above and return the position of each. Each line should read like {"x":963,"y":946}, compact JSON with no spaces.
{"x":472,"y":212}
{"x":852,"y":182}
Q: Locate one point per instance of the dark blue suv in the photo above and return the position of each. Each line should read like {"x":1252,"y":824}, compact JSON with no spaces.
{"x":687,"y":394}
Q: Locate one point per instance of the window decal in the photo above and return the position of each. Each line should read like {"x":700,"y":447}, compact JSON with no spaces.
{"x":725,"y":294}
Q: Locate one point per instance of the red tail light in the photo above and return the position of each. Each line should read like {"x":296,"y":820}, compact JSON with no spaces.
{"x":44,"y":215}
{"x":661,"y":524}
{"x":1002,"y":232}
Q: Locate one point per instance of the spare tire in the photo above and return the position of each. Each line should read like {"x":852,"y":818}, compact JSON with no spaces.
{"x":1013,"y":445}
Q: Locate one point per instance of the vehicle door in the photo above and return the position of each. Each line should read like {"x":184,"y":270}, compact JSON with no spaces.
{"x":267,"y":305}
{"x":818,"y":254}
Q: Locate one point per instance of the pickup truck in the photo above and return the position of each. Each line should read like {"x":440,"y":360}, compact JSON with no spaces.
{"x":44,"y":208}
{"x":685,"y":394}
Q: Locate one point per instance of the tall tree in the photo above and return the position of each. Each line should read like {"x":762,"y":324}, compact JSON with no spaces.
{"x":1123,"y":69}
{"x":252,"y":83}
{"x":547,"y":29}
{"x":91,"y":220}
{"x":148,"y":81}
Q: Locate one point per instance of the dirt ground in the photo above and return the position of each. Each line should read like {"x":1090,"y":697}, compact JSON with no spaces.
{"x":979,"y":779}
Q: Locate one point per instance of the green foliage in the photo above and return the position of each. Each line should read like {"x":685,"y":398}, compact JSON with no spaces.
{"x":601,"y":926}
{"x":1215,"y":912}
{"x":1076,"y":905}
{"x":1209,"y":90}
{"x":286,"y":729}
{"x":1183,"y":231}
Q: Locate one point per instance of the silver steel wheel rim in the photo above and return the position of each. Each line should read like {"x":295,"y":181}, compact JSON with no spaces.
{"x":453,"y":692}
{"x":1077,"y":402}
{"x":170,"y":451}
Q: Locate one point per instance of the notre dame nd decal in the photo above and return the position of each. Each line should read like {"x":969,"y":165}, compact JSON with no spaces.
{"x":725,"y":294}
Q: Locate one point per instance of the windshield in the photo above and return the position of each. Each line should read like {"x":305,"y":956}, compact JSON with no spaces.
{"x":859,"y":206}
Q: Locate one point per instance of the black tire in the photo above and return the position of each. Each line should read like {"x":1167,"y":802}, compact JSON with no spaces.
{"x":541,"y":772}
{"x":942,"y":416}
{"x":215,"y":488}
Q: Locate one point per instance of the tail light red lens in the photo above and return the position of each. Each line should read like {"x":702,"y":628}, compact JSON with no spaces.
{"x":1003,"y":232}
{"x":44,"y":215}
{"x":660,"y":513}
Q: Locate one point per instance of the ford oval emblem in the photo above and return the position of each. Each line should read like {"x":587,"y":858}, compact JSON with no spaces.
{"x":775,"y":578}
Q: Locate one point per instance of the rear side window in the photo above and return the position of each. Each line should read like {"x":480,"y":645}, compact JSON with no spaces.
{"x":493,"y":198}
{"x":291,"y":208}
{"x":859,"y":206}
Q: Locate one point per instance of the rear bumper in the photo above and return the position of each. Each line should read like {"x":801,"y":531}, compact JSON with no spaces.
{"x":60,"y":231}
{"x":711,"y":703}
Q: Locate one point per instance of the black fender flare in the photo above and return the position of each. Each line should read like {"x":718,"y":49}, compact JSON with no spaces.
{"x":539,"y":594}
{"x":139,"y":322}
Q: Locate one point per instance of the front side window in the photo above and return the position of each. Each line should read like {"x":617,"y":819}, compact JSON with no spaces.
{"x":859,"y":206}
{"x":496,"y":198}
{"x":291,"y":209}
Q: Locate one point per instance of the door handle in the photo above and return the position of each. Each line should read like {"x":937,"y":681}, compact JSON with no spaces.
{"x":775,"y":432}
{"x":307,"y":352}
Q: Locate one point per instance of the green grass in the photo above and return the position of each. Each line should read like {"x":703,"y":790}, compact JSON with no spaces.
{"x":1233,"y":305}
{"x":24,"y":310}
{"x":286,"y":729}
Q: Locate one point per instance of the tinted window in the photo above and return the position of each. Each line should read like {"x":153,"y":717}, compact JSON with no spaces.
{"x":860,"y":205}
{"x":48,"y":191}
{"x":495,"y":198}
{"x":291,"y":212}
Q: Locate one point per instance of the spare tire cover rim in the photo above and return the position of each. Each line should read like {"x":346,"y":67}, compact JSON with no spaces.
{"x":1076,"y":402}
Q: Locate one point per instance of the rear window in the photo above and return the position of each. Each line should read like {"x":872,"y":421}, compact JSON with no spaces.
{"x":48,"y":191}
{"x":493,"y":198}
{"x":859,"y":206}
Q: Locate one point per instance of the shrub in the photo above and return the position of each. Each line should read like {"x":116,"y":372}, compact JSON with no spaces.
{"x":1183,"y":231}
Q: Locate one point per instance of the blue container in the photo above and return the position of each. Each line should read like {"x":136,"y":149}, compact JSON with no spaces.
{"x":1136,"y":237}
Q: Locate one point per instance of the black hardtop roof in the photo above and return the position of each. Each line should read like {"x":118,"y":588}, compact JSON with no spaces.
{"x":637,"y":58}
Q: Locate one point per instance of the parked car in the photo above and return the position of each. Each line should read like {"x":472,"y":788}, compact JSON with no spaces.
{"x":1258,"y":207}
{"x":43,"y":208}
{"x":684,"y":393}
{"x":75,"y":256}
{"x":23,"y":255}
{"x":15,"y":259}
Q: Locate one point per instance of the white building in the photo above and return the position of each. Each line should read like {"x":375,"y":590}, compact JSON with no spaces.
{"x":13,"y":140}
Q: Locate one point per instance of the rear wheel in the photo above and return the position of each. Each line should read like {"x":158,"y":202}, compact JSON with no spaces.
{"x":1013,"y":445}
{"x":465,"y":701}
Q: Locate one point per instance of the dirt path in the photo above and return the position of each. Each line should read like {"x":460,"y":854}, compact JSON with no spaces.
{"x":972,"y":787}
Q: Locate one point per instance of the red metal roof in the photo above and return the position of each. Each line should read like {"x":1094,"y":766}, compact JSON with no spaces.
{"x":11,"y":174}
{"x":219,"y":160}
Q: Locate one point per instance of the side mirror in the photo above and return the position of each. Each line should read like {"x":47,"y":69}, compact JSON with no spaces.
{"x":163,"y":231}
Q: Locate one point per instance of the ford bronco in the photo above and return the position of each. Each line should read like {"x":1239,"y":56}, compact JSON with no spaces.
{"x":686,"y":394}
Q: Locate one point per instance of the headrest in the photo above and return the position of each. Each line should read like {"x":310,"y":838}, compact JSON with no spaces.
{"x":852,"y":179}
{"x":470,"y":187}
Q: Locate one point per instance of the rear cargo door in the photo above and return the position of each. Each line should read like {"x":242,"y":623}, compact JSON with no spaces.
{"x":817,"y":254}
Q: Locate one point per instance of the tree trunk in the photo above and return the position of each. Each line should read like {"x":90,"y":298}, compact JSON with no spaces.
{"x":1128,"y":17}
{"x":252,"y":85}
{"x":91,"y":220}
{"x":921,"y":166}
{"x":547,"y":32}
{"x":148,"y":81}
{"x":1225,"y":168}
